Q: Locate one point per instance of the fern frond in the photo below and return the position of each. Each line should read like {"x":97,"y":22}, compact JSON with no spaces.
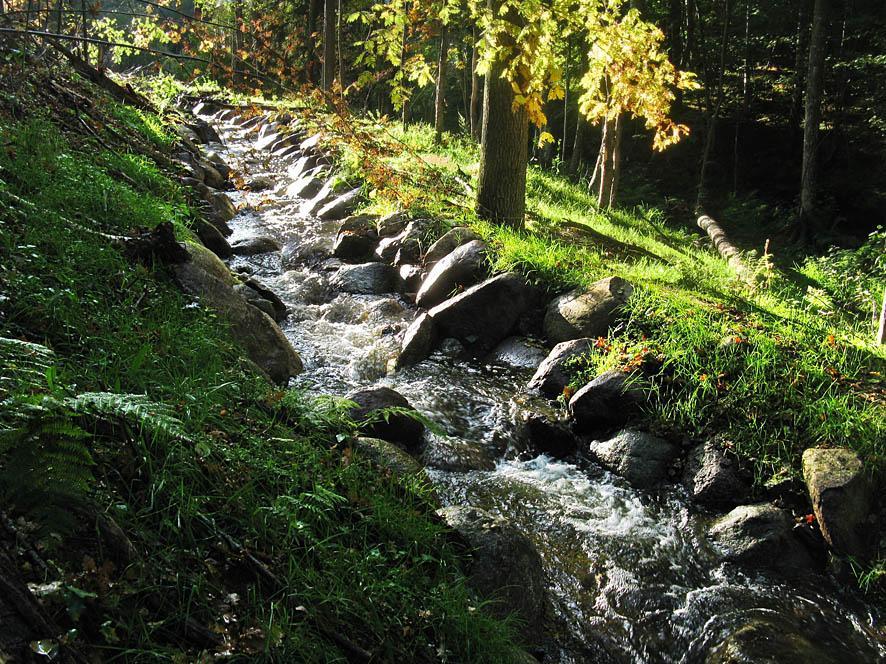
{"x":23,"y":365}
{"x":153,"y":417}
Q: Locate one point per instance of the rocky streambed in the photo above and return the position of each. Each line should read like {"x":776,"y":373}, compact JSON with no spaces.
{"x":612,"y":544}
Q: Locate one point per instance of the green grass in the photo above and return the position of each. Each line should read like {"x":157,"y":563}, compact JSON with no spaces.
{"x":773,"y":367}
{"x":260,"y":478}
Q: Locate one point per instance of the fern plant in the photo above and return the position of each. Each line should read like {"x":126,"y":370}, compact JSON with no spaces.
{"x":45,"y":460}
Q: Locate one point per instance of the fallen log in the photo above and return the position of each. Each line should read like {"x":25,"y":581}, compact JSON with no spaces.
{"x":723,"y":245}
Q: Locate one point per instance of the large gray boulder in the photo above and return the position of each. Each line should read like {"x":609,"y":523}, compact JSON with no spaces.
{"x":212,"y":238}
{"x":762,"y":536}
{"x":418,"y":342}
{"x":485,"y":314}
{"x":713,"y":478}
{"x":455,"y":455}
{"x":605,"y":402}
{"x":392,"y":224}
{"x":448,"y":243}
{"x":396,"y":428}
{"x":252,"y":246}
{"x":207,"y":278}
{"x":586,"y":313}
{"x":545,"y":433}
{"x":388,"y":456}
{"x":517,"y":353}
{"x":841,"y":498}
{"x":222,"y":206}
{"x":554,"y":373}
{"x":504,"y":567}
{"x":465,"y":266}
{"x":365,"y":279}
{"x":641,"y":458}
{"x":341,"y":206}
{"x":770,"y":641}
{"x":356,"y":238}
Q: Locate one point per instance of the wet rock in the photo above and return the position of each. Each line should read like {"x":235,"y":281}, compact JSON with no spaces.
{"x":504,"y":567}
{"x":219,"y":164}
{"x":222,"y":207}
{"x":485,"y":314}
{"x":713,"y":477}
{"x":312,"y":251}
{"x":586,"y":313}
{"x":328,"y":193}
{"x":554,"y":373}
{"x":188,"y":136}
{"x":840,"y":496}
{"x":409,"y":252}
{"x":455,"y":456}
{"x":448,"y":243}
{"x":305,"y":187}
{"x":546,"y":433}
{"x":213,"y":239}
{"x":365,"y":279}
{"x":310,"y":144}
{"x":260,"y":183}
{"x":603,"y":403}
{"x":256,"y":300}
{"x":762,"y":536}
{"x":392,"y":224}
{"x":410,"y":278}
{"x":769,"y":641}
{"x":260,"y":244}
{"x":396,"y":428}
{"x":301,"y":166}
{"x":287,"y":141}
{"x":464,"y":267}
{"x":341,"y":206}
{"x":267,"y":137}
{"x":211,"y":176}
{"x":204,"y":132}
{"x":418,"y":342}
{"x":206,"y":277}
{"x":389,"y":457}
{"x":517,"y":353}
{"x":641,"y":458}
{"x":388,"y":247}
{"x":356,"y":238}
{"x":279,"y":308}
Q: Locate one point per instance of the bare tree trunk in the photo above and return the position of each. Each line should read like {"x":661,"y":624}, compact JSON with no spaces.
{"x":566,"y":102}
{"x":800,"y":60}
{"x":577,"y":145}
{"x":881,"y":330}
{"x":339,"y":59}
{"x":604,"y":171}
{"x":311,"y":41}
{"x":441,"y":84}
{"x":701,"y":196}
{"x":329,"y":45}
{"x":616,"y":161}
{"x":812,"y":119}
{"x":501,"y":187}
{"x":742,"y":112}
{"x":476,"y":119}
{"x":404,"y":110}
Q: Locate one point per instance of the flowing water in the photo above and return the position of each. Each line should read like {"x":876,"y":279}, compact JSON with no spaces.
{"x":631,"y":575}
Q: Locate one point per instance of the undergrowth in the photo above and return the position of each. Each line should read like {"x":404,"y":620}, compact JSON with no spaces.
{"x":256,"y":530}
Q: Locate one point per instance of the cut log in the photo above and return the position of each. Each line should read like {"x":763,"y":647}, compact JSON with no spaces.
{"x":723,"y":245}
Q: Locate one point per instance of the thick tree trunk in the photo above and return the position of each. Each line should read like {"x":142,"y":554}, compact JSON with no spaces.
{"x":501,"y":189}
{"x":441,"y":83}
{"x":311,"y":59}
{"x":330,"y":20}
{"x":812,"y":117}
{"x":476,"y":91}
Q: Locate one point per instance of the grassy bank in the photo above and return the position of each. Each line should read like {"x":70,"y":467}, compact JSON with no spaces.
{"x":247,"y":524}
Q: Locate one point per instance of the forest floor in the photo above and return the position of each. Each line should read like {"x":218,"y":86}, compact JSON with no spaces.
{"x":163,"y":500}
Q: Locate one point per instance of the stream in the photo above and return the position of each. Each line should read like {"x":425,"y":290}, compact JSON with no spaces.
{"x":631,"y":575}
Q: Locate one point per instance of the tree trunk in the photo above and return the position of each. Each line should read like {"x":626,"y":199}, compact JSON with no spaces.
{"x":881,"y":330}
{"x":566,"y":103}
{"x":329,"y":45}
{"x":616,"y":161}
{"x":501,"y":189}
{"x":800,"y":56}
{"x":604,"y":170}
{"x":339,"y":59}
{"x":742,"y":112}
{"x":577,"y":146}
{"x":311,"y":41}
{"x":405,"y":107}
{"x":812,"y":119}
{"x":476,"y":118}
{"x":441,"y":83}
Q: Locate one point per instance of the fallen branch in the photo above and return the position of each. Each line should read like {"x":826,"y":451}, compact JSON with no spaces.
{"x":723,"y":245}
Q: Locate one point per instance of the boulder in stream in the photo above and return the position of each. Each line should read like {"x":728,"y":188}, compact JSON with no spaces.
{"x":418,"y":342}
{"x":485,"y":314}
{"x":713,"y":478}
{"x":546,"y":433}
{"x":397,"y":428}
{"x":455,"y":455}
{"x":213,"y":239}
{"x":365,"y":279}
{"x":206,"y":277}
{"x":641,"y":458}
{"x":840,"y":495}
{"x":464,"y":267}
{"x":222,"y":206}
{"x":449,"y":242}
{"x":504,"y":567}
{"x":762,"y":536}
{"x":392,"y":224}
{"x":769,"y":640}
{"x":605,"y":402}
{"x":258,"y":244}
{"x":356,"y":238}
{"x":388,"y":456}
{"x":587,"y":313}
{"x":341,"y":206}
{"x":517,"y":353}
{"x":554,"y":373}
